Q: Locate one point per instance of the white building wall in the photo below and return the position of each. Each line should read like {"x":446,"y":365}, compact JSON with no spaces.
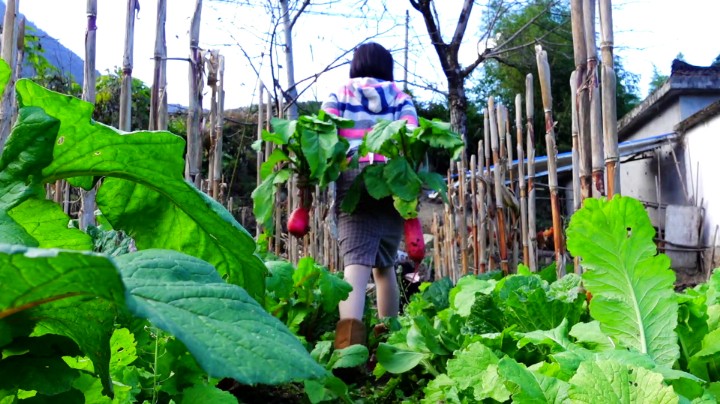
{"x":702,"y":167}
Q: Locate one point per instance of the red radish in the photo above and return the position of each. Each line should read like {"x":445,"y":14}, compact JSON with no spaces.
{"x":414,"y":241}
{"x":299,"y":222}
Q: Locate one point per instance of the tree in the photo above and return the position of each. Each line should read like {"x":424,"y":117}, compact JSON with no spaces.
{"x":489,"y":47}
{"x":504,"y":76}
{"x":657,"y":80}
{"x":107,"y":101}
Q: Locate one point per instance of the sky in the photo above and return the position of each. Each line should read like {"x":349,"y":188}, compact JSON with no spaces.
{"x":648,"y":34}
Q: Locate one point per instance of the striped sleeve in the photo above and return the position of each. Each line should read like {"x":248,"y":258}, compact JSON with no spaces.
{"x":332,"y":105}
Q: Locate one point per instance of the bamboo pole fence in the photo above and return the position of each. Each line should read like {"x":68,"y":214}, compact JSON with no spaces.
{"x":87,"y":198}
{"x":491,"y":221}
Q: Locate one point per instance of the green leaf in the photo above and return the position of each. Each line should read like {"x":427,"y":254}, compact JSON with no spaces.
{"x":441,"y":389}
{"x":46,"y":222}
{"x":407,"y":209}
{"x":436,"y":182}
{"x":325,"y":389}
{"x":280,"y":278}
{"x":12,"y":233}
{"x":69,"y":293}
{"x":267,"y":167}
{"x":46,"y":375}
{"x":375,"y":182}
{"x":611,"y":382}
{"x":207,"y":394}
{"x":591,"y":336}
{"x":438,"y":134}
{"x":318,"y":148}
{"x":556,"y":338}
{"x":228,"y":333}
{"x":398,"y":360}
{"x":402,"y":179}
{"x":5,"y":73}
{"x":167,"y":211}
{"x":284,"y":130}
{"x":527,"y":386}
{"x":384,"y":136}
{"x":476,"y":367}
{"x":354,"y":355}
{"x":633,"y":288}
{"x":462,"y":296}
{"x":27,"y":151}
{"x":333,"y":290}
{"x":352,"y":197}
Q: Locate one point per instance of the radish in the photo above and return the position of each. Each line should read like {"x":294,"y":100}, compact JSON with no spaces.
{"x":299,"y":222}
{"x":414,"y":241}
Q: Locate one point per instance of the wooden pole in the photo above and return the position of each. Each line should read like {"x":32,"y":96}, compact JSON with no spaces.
{"x":545,"y":87}
{"x":87,"y":198}
{"x":194,"y":118}
{"x":583,"y":102}
{"x":217,"y":152}
{"x":609,"y":100}
{"x":596,"y":139}
{"x":259,"y":155}
{"x":482,"y":210}
{"x":126,"y":88}
{"x":497,"y":171}
{"x":462,"y":218}
{"x":521,"y":181}
{"x":158,"y":96}
{"x":474,"y":213}
{"x":532,"y":228}
{"x":212,"y":81}
{"x":8,"y":52}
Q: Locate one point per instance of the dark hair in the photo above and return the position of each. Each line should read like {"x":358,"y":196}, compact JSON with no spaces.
{"x":372,"y":60}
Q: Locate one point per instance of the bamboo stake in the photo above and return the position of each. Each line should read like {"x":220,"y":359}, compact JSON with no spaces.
{"x":483,"y":227}
{"x":158,"y":97}
{"x":437,"y":263}
{"x":8,"y":52}
{"x":532,"y":228}
{"x":596,"y":139}
{"x":87,"y":198}
{"x":195,"y":78}
{"x":218,"y":129}
{"x":212,"y":79}
{"x":474,"y":213}
{"x":583,"y":103}
{"x":544,"y":77}
{"x":577,"y":198}
{"x":126,"y":89}
{"x":497,"y":171}
{"x":259,"y":154}
{"x":521,"y":181}
{"x":509,"y":148}
{"x":462,"y":218}
{"x":609,"y":100}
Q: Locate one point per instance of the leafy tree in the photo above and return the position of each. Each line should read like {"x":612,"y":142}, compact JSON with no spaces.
{"x":107,"y":101}
{"x":504,"y":76}
{"x":657,"y":80}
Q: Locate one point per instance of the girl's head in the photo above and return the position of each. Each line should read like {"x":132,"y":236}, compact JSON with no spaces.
{"x":372,"y":60}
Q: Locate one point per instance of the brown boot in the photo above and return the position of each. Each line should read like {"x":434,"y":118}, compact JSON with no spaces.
{"x":349,"y":331}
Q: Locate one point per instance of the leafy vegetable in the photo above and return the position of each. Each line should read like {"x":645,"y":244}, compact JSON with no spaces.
{"x":401,"y":176}
{"x":632,"y":285}
{"x":309,"y":148}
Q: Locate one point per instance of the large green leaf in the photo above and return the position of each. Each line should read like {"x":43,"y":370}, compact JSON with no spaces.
{"x":611,"y":382}
{"x":46,"y":222}
{"x":527,"y":386}
{"x":398,"y":360}
{"x":476,"y":368}
{"x":634,"y":299}
{"x":153,"y":202}
{"x":402,"y":179}
{"x":67,"y":293}
{"x":228,"y":333}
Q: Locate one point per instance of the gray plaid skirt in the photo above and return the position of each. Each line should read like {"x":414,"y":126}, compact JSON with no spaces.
{"x":370,"y":235}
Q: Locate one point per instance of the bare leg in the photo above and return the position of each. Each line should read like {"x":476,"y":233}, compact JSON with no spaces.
{"x":388,"y":294}
{"x":354,"y":306}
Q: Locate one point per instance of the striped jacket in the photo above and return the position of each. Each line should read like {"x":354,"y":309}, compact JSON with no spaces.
{"x":366,"y":100}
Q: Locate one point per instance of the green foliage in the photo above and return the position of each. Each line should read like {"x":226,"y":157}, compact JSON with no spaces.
{"x":304,"y":298}
{"x":308,"y":148}
{"x":504,"y":77}
{"x":60,"y":307}
{"x":401,"y":177}
{"x":107,"y":101}
{"x":531,"y":338}
{"x":657,"y":80}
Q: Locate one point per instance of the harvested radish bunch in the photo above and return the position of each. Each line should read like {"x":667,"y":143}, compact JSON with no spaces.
{"x":299,"y":222}
{"x":414,"y":241}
